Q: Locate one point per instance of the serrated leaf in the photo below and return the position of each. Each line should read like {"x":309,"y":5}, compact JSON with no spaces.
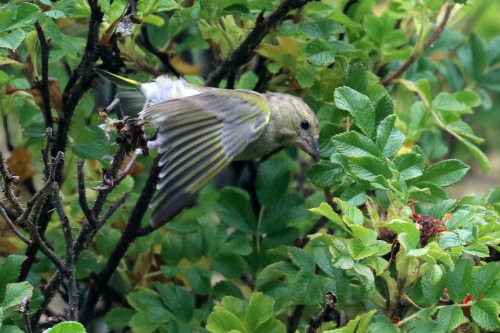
{"x":359,"y":106}
{"x":235,"y":210}
{"x":260,"y":309}
{"x":9,"y":271}
{"x":326,"y":210}
{"x":445,"y":173}
{"x":408,"y":234}
{"x":483,"y":279}
{"x":15,"y":292}
{"x":199,"y":278}
{"x":117,"y":318}
{"x":352,"y":214}
{"x":228,"y":264}
{"x":324,"y":174}
{"x":409,"y":165}
{"x":12,"y":40}
{"x":301,"y":258}
{"x":223,"y":322}
{"x":274,"y":271}
{"x":485,"y":314}
{"x":389,"y":138}
{"x":272,"y":180}
{"x":178,"y":301}
{"x":68,"y":327}
{"x":449,"y":318}
{"x":353,"y":144}
{"x":308,"y":287}
{"x":320,"y":53}
{"x":368,"y":167}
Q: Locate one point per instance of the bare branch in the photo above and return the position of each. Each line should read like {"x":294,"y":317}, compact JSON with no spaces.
{"x":435,"y":35}
{"x":327,"y":314}
{"x":11,"y":225}
{"x":9,"y":179}
{"x":82,"y":197}
{"x":24,"y":308}
{"x":244,"y":52}
{"x":73,"y":293}
{"x":44,"y":87}
{"x":113,"y":208}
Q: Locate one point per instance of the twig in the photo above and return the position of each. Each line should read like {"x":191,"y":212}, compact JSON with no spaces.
{"x":113,"y":208}
{"x":131,"y":232}
{"x":9,"y":179}
{"x":11,"y":225}
{"x":435,"y":35}
{"x":160,"y":54}
{"x":294,"y":319}
{"x":411,"y":302}
{"x":69,"y":263}
{"x":82,"y":197}
{"x":8,"y":141}
{"x":244,"y":52}
{"x":44,"y":88}
{"x":327,"y":314}
{"x":24,"y":308}
{"x":46,"y":152}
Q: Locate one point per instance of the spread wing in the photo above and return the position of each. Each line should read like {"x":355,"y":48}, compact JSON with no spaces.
{"x":199,"y":135}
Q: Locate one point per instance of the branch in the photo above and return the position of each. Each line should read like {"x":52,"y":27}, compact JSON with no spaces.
{"x":44,"y":88}
{"x":435,"y":35}
{"x":11,"y":225}
{"x":327,"y":314}
{"x":24,"y":309}
{"x":159,"y":53}
{"x":131,"y":232}
{"x":82,"y":197}
{"x":9,"y":179}
{"x":244,"y":52}
{"x":69,"y":263}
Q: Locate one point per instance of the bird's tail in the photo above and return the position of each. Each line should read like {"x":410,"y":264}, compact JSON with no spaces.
{"x":118,"y":80}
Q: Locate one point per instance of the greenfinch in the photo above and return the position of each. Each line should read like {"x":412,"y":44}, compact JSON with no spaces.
{"x":200,"y":130}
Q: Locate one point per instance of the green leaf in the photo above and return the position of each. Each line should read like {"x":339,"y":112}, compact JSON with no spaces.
{"x":141,"y":323}
{"x":478,"y":154}
{"x":178,"y":300}
{"x":389,"y":138}
{"x":9,"y":271}
{"x":117,"y":318}
{"x":324,"y":174}
{"x":381,"y":324}
{"x":320,"y":53}
{"x":15,"y":292}
{"x":272,"y":180}
{"x":171,"y":249}
{"x":444,"y":173}
{"x":90,"y":150}
{"x":274,"y":271}
{"x":359,"y":106}
{"x":199,"y":278}
{"x":449,"y":318}
{"x":409,"y":165}
{"x":359,"y":251}
{"x":260,"y":309}
{"x":301,"y":258}
{"x":353,"y":144}
{"x":68,"y":327}
{"x":12,"y":40}
{"x":483,"y":279}
{"x":459,"y":218}
{"x":13,"y":17}
{"x":449,"y":239}
{"x":408,"y":234}
{"x":149,"y":303}
{"x":235,"y":210}
{"x":340,"y":17}
{"x":485,"y":314}
{"x":326,"y":210}
{"x":247,"y":81}
{"x":223,"y":322}
{"x":308,"y":287}
{"x":477,"y":249}
{"x":352,"y":214}
{"x":433,"y":283}
{"x":468,"y":97}
{"x":368,"y":167}
{"x":446,"y":102}
{"x":229,"y":265}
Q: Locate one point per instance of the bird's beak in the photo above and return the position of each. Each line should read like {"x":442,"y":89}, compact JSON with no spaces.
{"x":310,"y":145}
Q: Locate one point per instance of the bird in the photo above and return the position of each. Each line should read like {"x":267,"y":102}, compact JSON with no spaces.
{"x":200,"y":130}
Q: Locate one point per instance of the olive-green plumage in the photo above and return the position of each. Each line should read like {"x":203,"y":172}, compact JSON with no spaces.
{"x":201,"y":130}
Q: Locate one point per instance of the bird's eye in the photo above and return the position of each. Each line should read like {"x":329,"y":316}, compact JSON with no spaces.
{"x":304,"y":124}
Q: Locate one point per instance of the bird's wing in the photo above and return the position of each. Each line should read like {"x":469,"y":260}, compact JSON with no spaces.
{"x":199,"y":135}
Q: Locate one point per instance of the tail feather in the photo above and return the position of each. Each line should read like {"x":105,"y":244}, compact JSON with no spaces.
{"x":118,"y":80}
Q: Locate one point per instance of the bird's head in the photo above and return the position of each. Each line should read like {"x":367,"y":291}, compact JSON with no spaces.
{"x":295,"y":124}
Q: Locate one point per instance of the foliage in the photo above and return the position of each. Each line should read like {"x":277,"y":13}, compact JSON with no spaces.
{"x":371,"y":222}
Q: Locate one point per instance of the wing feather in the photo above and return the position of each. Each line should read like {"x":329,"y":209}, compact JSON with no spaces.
{"x":199,"y":136}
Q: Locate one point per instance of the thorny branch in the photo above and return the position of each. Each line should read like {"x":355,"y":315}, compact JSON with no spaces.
{"x":435,"y":35}
{"x":8,"y":180}
{"x":44,"y":88}
{"x":79,"y":82}
{"x":69,"y":263}
{"x":244,"y":52}
{"x":24,"y":308}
